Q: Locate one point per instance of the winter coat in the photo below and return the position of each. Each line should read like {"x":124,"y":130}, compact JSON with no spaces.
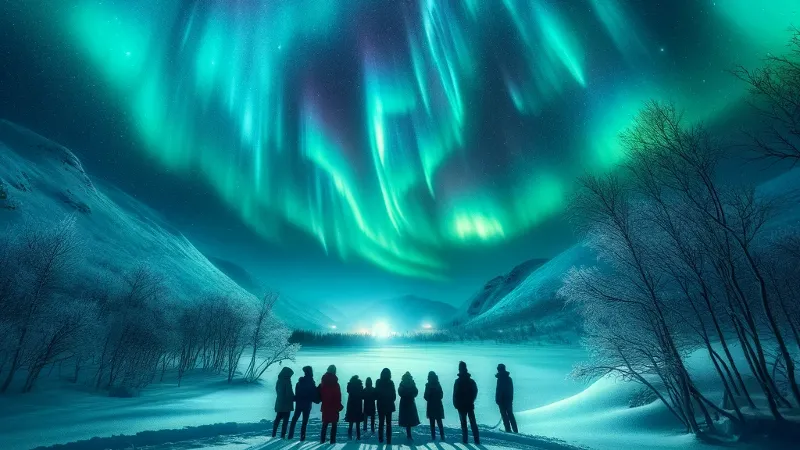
{"x":284,"y":401}
{"x":408,"y":416}
{"x":434,"y":395}
{"x":355,"y":393}
{"x":465,"y":391}
{"x":330,"y":393}
{"x":369,"y":401}
{"x":385,"y":395}
{"x":504,"y":395}
{"x":305,"y":393}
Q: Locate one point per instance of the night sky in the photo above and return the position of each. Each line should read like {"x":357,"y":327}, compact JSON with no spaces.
{"x":358,"y":149}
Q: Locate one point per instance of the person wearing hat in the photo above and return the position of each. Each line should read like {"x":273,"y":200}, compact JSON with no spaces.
{"x":435,"y":410}
{"x":504,"y":397}
{"x":330,"y":394}
{"x":369,"y":397}
{"x":407,"y":417}
{"x":385,"y":396}
{"x":465,"y":391}
{"x":355,"y":406}
{"x":305,"y":393}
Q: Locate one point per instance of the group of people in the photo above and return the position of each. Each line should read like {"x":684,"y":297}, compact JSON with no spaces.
{"x":365,"y":401}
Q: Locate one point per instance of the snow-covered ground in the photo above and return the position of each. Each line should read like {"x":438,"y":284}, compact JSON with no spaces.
{"x":553,"y":411}
{"x":57,"y":414}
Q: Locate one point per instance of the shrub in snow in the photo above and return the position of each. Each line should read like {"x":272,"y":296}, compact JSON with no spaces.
{"x":123,"y":392}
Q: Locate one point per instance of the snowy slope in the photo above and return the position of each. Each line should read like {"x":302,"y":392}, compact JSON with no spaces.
{"x":785,"y":190}
{"x":497,"y":288}
{"x":534,"y":298}
{"x":297,"y":314}
{"x":41,"y":180}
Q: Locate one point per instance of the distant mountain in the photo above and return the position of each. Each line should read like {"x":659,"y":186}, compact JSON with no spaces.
{"x":295,"y":314}
{"x":44,"y":181}
{"x":402,"y":314}
{"x":529,"y":297}
{"x":534,"y":301}
{"x":497,"y":288}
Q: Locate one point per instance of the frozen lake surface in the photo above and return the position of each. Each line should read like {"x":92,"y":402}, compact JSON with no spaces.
{"x":60,"y":412}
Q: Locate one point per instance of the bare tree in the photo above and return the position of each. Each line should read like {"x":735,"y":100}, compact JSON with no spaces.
{"x":46,"y":256}
{"x":269,"y":339}
{"x":137,"y":332}
{"x":683,"y":267}
{"x":775,"y":90}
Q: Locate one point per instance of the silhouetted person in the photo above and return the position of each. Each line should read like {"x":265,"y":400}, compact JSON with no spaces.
{"x":504,"y":397}
{"x":465,"y":391}
{"x":435,"y":410}
{"x":284,"y":401}
{"x":330,"y":393}
{"x":408,"y":416}
{"x":305,"y":393}
{"x":385,"y":396}
{"x":355,"y":411}
{"x":369,"y":404}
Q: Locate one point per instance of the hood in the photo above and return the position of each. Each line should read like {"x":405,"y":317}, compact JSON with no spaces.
{"x":355,"y":381}
{"x":432,"y":377}
{"x":386,"y":374}
{"x":286,"y":373}
{"x":330,"y":378}
{"x":407,"y":378}
{"x":369,"y":382}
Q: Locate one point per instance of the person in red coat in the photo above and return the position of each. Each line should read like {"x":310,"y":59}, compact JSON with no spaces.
{"x":331,"y":395}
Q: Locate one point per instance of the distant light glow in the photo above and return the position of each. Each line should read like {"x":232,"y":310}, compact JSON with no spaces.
{"x":427,"y":326}
{"x":333,"y":327}
{"x":381,"y":330}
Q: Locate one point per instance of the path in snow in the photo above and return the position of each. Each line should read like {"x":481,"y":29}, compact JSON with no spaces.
{"x":255,"y":436}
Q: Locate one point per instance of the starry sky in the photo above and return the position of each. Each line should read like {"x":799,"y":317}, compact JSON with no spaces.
{"x":352,"y":149}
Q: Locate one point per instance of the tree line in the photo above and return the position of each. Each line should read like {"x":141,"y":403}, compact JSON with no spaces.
{"x":691,"y":262}
{"x":119,"y":329}
{"x":508,"y":334}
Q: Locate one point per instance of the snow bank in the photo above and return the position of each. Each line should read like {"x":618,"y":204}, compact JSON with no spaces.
{"x":605,"y":414}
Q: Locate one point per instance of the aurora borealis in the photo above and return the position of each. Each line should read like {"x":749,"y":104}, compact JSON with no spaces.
{"x":394,"y":132}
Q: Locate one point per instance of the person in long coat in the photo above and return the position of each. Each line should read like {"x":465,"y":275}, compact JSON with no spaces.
{"x":330,"y":393}
{"x":284,"y":401}
{"x":465,"y":391}
{"x":369,"y":404}
{"x":385,"y":396}
{"x":305,"y":393}
{"x":355,"y":411}
{"x":504,"y":397}
{"x":435,"y":408}
{"x":408,"y":416}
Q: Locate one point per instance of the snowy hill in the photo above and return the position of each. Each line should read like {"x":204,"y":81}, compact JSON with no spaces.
{"x":402,"y":314}
{"x":41,"y":180}
{"x":497,"y":288}
{"x":525,"y":295}
{"x":533,"y":299}
{"x":297,"y":315}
